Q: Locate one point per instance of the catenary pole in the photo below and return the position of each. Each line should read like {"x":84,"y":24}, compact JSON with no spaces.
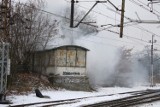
{"x":122,"y":18}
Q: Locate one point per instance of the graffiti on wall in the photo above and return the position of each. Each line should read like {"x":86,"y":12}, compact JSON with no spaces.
{"x":71,"y":73}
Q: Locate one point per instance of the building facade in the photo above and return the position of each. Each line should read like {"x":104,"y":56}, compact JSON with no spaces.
{"x":66,"y":66}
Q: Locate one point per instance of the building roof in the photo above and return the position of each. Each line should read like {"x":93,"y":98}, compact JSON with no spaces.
{"x":64,"y":46}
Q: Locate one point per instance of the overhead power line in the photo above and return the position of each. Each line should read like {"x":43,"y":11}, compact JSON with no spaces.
{"x":100,"y":13}
{"x":142,"y":6}
{"x":127,"y":36}
{"x":96,"y":2}
{"x":51,"y":13}
{"x":54,"y":14}
{"x":114,"y":5}
{"x":72,"y":13}
{"x":130,"y":21}
{"x":76,"y":20}
{"x":152,"y":33}
{"x":148,"y":6}
{"x":112,"y":39}
{"x":134,"y":20}
{"x":77,"y":1}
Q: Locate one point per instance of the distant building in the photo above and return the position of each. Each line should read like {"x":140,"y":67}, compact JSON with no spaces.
{"x":65,"y":66}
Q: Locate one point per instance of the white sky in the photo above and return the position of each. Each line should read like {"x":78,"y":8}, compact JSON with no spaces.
{"x":103,"y":46}
{"x":105,"y":38}
{"x":102,"y":12}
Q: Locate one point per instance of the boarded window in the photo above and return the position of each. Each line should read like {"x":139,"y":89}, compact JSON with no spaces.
{"x":71,"y":57}
{"x":80,"y":61}
{"x":61,"y":57}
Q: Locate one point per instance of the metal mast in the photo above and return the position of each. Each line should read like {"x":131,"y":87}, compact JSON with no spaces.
{"x":152,"y":76}
{"x":5,"y":13}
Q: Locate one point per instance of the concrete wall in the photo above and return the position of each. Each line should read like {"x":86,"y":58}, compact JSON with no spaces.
{"x":66,"y":71}
{"x":72,"y":83}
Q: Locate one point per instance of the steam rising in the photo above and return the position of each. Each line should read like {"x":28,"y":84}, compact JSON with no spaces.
{"x":139,"y":74}
{"x":102,"y":66}
{"x":103,"y":60}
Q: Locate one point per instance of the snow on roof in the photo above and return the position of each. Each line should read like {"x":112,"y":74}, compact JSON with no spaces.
{"x":63,"y":46}
{"x":71,"y":46}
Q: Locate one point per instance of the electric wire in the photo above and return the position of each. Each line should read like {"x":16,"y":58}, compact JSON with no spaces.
{"x":69,"y":18}
{"x":127,"y":36}
{"x":142,"y":6}
{"x":54,"y":14}
{"x":45,"y":11}
{"x":142,"y":28}
{"x":131,"y":20}
{"x":85,"y":1}
{"x":116,"y":20}
{"x":148,"y":6}
{"x":133,"y":23}
{"x":112,"y":39}
{"x":94,"y":11}
{"x":83,"y":23}
{"x":104,"y":44}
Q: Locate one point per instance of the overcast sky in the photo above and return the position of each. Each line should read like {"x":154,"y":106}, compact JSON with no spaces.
{"x":104,"y":46}
{"x":105,"y":14}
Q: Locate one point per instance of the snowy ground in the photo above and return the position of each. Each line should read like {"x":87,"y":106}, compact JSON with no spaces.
{"x":65,"y":94}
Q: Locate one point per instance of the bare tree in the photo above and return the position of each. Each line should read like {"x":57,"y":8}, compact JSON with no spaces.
{"x":31,"y":30}
{"x":145,"y":60}
{"x":123,"y":68}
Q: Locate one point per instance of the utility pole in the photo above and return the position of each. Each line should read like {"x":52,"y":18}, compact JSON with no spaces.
{"x":122,"y":18}
{"x":72,"y":14}
{"x":151,"y":77}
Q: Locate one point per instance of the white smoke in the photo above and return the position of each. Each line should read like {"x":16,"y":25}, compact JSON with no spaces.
{"x":102,"y":59}
{"x":102,"y":63}
{"x":139,"y":74}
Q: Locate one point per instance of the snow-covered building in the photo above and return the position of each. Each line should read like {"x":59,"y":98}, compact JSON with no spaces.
{"x":65,"y":66}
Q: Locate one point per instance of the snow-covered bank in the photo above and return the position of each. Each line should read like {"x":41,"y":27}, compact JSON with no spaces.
{"x":56,"y":95}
